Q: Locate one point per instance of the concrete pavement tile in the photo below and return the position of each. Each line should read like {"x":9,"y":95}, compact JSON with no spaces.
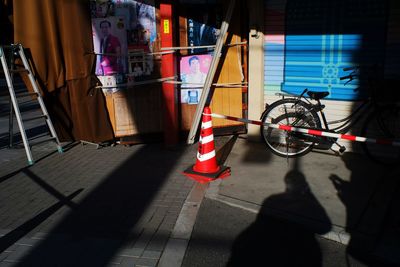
{"x":184,"y":224}
{"x":159,"y":240}
{"x":7,"y":264}
{"x":173,"y":253}
{"x":116,"y":260}
{"x":161,"y":211}
{"x":27,"y":242}
{"x":19,"y":253}
{"x":95,"y":251}
{"x":150,"y":254}
{"x":4,"y":255}
{"x":130,"y":252}
{"x":165,"y":225}
{"x":4,"y":231}
{"x":171,"y":218}
{"x":140,"y":262}
{"x":174,"y":209}
{"x":40,"y":235}
{"x":11,"y":248}
{"x":154,"y":222}
{"x":144,"y":238}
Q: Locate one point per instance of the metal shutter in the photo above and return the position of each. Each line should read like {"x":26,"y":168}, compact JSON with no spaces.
{"x":318,"y":39}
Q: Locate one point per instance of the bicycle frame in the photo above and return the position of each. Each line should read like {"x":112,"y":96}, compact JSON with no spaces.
{"x":308,"y":112}
{"x":345,"y":124}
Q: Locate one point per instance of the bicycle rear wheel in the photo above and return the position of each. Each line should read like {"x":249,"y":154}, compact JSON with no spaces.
{"x":289,"y":112}
{"x":383,"y":124}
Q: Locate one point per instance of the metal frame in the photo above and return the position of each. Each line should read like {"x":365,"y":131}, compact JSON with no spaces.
{"x":18,"y":48}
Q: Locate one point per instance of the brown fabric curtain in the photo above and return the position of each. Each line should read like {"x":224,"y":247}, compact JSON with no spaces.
{"x":6,"y":31}
{"x":58,"y":36}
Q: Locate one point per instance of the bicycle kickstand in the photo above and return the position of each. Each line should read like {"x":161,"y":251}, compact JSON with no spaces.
{"x":342,"y":149}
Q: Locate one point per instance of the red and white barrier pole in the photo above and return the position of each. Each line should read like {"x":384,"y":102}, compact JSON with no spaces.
{"x":311,"y":131}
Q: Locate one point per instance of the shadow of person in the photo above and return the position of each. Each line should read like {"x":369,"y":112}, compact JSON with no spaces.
{"x":282,"y":235}
{"x":366,"y":196}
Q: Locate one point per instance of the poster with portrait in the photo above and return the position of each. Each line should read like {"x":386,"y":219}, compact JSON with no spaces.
{"x":142,"y":35}
{"x":142,"y":23}
{"x":190,"y":96}
{"x":193,"y":73}
{"x":136,"y":62}
{"x":133,"y":23}
{"x":110,"y":45}
{"x":203,"y":27}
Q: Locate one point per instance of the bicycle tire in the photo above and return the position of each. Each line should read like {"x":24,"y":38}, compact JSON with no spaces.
{"x":289,"y":112}
{"x":383,"y":123}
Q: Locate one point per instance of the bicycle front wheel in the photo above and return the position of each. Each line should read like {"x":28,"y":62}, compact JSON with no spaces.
{"x":383,"y":124}
{"x":294,"y":113}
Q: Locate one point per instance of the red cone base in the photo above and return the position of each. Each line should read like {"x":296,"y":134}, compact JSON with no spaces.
{"x":202,"y":178}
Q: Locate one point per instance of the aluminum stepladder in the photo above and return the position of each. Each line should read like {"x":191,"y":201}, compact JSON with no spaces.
{"x":18,"y":50}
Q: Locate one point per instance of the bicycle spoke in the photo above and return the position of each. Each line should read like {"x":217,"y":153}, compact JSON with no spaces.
{"x":292,"y":113}
{"x":287,"y":118}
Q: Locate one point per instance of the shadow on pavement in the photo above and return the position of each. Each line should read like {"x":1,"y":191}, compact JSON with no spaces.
{"x":224,"y":151}
{"x":10,"y":238}
{"x":105,"y":219}
{"x":367,"y":224}
{"x":271,"y":241}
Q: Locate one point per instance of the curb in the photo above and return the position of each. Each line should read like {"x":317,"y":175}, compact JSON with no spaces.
{"x":337,"y":234}
{"x":176,"y":246}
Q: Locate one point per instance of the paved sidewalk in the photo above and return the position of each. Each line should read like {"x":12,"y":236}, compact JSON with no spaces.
{"x":131,"y":206}
{"x":347,"y":199}
{"x":113,"y":206}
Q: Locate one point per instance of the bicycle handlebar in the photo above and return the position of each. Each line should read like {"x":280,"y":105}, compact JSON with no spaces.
{"x":370,"y":71}
{"x":350,"y":77}
{"x":347,"y":77}
{"x":350,"y":68}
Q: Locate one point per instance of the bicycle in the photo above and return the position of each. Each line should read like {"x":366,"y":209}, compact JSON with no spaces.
{"x":382,"y":120}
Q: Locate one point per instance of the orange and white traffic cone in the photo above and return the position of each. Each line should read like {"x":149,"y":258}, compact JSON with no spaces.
{"x":206,"y":168}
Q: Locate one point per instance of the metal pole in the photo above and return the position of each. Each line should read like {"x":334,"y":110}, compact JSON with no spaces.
{"x":210,"y":74}
{"x":11,"y":114}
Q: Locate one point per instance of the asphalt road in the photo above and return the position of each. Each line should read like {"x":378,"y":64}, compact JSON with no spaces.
{"x":228,"y":236}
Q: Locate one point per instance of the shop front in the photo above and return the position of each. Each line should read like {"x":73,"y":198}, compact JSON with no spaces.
{"x":108,"y":72}
{"x":130,"y":65}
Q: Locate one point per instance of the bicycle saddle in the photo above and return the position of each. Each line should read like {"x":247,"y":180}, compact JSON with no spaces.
{"x":317,"y":95}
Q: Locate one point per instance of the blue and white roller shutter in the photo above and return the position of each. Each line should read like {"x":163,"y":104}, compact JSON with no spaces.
{"x":341,"y":34}
{"x":307,"y":42}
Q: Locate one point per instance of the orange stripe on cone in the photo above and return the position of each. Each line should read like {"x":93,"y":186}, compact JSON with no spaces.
{"x":206,"y":167}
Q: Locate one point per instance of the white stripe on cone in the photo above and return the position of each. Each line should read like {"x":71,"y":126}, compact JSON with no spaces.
{"x":206,"y":139}
{"x":205,"y":156}
{"x":206,"y":125}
